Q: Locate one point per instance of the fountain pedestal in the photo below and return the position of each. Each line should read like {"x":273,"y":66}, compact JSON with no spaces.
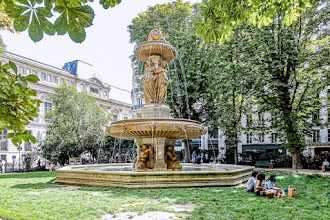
{"x":153,"y":110}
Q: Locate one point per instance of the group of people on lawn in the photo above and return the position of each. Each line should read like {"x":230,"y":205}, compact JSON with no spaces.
{"x":254,"y":185}
{"x":52,"y":167}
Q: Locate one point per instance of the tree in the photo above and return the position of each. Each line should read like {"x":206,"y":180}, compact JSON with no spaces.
{"x":18,"y":107}
{"x":74,"y":124}
{"x":290,"y":69}
{"x":74,"y":17}
{"x":188,"y":75}
{"x":221,"y":17}
{"x":228,"y":93}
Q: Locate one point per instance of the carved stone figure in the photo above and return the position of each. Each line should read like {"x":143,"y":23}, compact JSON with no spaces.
{"x":171,"y":160}
{"x":155,"y":34}
{"x":149,"y":81}
{"x":162,"y":83}
{"x":155,"y":81}
{"x":147,"y":160}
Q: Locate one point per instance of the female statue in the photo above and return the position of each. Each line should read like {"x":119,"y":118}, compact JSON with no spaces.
{"x":162,"y":83}
{"x":149,"y":82}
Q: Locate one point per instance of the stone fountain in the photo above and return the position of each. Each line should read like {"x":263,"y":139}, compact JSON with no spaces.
{"x":155,"y":135}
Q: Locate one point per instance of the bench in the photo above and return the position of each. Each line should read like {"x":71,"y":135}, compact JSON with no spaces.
{"x":262,"y":163}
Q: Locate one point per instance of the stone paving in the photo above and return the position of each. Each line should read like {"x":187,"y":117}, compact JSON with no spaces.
{"x":300,"y":171}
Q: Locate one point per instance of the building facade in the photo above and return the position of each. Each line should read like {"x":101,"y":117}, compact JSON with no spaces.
{"x":112,"y":99}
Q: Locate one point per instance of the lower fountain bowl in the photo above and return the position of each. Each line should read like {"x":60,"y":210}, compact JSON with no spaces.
{"x":156,"y":127}
{"x":123,"y":176}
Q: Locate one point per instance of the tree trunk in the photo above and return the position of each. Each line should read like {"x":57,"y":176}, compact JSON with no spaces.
{"x":235,"y":155}
{"x":296,"y":161}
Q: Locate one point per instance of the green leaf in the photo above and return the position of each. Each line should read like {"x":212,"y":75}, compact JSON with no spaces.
{"x":61,"y":24}
{"x":32,"y":138}
{"x":76,"y":31}
{"x":47,"y":26}
{"x":10,"y":135}
{"x":3,"y":96}
{"x":6,"y":66}
{"x":35,"y":30}
{"x":109,"y":3}
{"x":13,"y":66}
{"x":44,"y":12}
{"x":39,"y":1}
{"x":85,"y":15}
{"x":21,"y":23}
{"x":32,"y":78}
{"x":48,"y":4}
{"x":22,"y":82}
{"x":16,"y":12}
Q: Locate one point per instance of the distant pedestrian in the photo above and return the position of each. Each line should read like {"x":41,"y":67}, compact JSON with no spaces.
{"x":325,"y":165}
{"x":58,"y":165}
{"x":193,"y":157}
{"x":199,"y":159}
{"x":52,"y":167}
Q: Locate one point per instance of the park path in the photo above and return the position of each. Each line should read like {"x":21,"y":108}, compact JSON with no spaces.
{"x":300,"y":171}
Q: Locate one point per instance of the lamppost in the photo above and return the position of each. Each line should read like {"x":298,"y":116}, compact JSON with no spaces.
{"x":19,"y":148}
{"x":14,"y":161}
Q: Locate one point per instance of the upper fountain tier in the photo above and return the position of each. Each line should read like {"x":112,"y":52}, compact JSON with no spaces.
{"x":156,"y":45}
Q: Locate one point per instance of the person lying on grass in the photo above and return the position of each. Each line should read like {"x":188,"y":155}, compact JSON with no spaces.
{"x":270,"y":185}
{"x":260,"y":190}
{"x":251,"y":184}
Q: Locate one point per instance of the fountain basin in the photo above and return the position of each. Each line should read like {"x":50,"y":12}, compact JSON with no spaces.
{"x":156,"y":127}
{"x":155,"y":47}
{"x":123,"y":176}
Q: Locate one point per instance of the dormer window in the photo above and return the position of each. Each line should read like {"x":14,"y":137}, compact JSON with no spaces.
{"x":105,"y":93}
{"x":94,"y":90}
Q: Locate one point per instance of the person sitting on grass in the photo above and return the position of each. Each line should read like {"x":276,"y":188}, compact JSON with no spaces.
{"x":325,"y":165}
{"x":260,"y":190}
{"x":270,"y":185}
{"x":251,"y":184}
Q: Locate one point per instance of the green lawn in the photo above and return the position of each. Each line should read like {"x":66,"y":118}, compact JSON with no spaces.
{"x":35,"y":196}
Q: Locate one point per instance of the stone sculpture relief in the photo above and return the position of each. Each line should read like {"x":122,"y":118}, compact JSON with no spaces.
{"x":147,"y":160}
{"x":170,"y":159}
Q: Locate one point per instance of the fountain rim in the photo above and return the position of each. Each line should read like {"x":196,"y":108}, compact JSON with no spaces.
{"x":75,"y":168}
{"x":132,"y":121}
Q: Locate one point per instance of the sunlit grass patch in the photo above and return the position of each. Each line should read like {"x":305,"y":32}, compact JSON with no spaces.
{"x":35,"y":196}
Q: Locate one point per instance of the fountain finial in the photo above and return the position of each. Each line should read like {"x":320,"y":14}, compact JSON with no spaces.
{"x":155,"y":34}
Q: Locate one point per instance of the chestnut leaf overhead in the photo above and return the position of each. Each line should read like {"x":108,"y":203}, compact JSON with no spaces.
{"x":73,"y":16}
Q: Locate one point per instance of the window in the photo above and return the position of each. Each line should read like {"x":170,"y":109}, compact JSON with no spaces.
{"x":3,"y":141}
{"x":43,"y":76}
{"x":62,"y":81}
{"x":21,"y":70}
{"x":261,"y":137}
{"x":214,"y":133}
{"x":49,"y":78}
{"x":125,"y":118}
{"x":94,"y":90}
{"x":71,"y":83}
{"x":274,"y":138}
{"x":28,"y":146}
{"x":105,"y":93}
{"x":34,"y":72}
{"x":248,"y":120}
{"x":82,"y":86}
{"x":316,"y":117}
{"x":48,"y":107}
{"x":115,"y":118}
{"x":328,"y":135}
{"x":3,"y":157}
{"x":139,"y":102}
{"x":316,"y":136}
{"x":249,"y":138}
{"x":54,"y":79}
{"x":28,"y":71}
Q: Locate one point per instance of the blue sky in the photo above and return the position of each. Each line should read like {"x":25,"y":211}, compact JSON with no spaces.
{"x":106,"y":46}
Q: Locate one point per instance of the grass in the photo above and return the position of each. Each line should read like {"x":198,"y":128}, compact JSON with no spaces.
{"x":35,"y":196}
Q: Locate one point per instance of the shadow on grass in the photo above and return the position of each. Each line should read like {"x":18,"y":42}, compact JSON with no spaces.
{"x":40,"y":185}
{"x":29,"y":175}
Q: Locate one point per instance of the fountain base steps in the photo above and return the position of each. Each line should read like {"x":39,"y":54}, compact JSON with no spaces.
{"x":122,"y":175}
